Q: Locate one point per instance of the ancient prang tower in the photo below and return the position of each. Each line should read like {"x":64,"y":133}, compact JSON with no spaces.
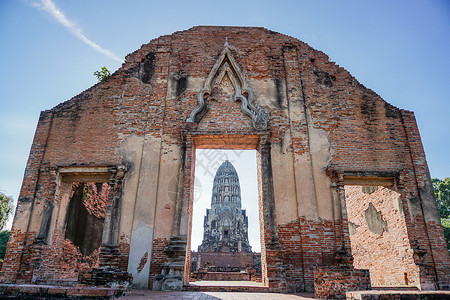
{"x":345,"y":194}
{"x":226,"y":224}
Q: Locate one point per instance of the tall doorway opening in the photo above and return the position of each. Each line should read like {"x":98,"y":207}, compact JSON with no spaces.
{"x":224,"y":242}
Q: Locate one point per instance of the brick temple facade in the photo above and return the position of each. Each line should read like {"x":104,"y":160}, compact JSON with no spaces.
{"x":345,"y":194}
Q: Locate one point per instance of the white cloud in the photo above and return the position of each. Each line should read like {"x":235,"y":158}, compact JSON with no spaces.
{"x":50,"y":7}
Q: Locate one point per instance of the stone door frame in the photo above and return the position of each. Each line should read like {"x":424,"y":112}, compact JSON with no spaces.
{"x":259,"y":142}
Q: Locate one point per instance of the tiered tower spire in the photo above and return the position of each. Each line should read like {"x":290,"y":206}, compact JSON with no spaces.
{"x":226,"y":224}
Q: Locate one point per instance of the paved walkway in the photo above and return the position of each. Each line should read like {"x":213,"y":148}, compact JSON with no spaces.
{"x":149,"y":294}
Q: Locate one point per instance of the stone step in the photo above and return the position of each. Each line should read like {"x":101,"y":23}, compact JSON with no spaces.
{"x":181,"y":239}
{"x":176,"y":259}
{"x":395,"y":288}
{"x":34,"y":291}
{"x":57,"y":282}
{"x":212,"y":288}
{"x":172,"y":247}
{"x":398,"y":294}
{"x":177,"y":244}
{"x":174,"y":263}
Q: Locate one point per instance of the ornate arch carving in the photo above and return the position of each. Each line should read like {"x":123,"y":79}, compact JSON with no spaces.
{"x":226,"y":65}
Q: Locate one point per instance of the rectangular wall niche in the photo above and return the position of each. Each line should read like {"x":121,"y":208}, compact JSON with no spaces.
{"x":378,"y":235}
{"x":84,"y":220}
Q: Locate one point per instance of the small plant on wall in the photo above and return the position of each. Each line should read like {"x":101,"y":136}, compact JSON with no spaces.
{"x":103,"y":74}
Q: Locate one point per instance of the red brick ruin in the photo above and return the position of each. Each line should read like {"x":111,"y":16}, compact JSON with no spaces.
{"x":345,"y":196}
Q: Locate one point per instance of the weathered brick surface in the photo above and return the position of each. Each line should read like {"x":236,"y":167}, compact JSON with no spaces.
{"x":61,"y":260}
{"x":223,"y":259}
{"x":104,"y":278}
{"x":334,"y":282}
{"x":307,"y":245}
{"x":124,"y":248}
{"x":387,"y":253}
{"x":158,"y":258}
{"x":323,"y":124}
{"x":226,"y":276}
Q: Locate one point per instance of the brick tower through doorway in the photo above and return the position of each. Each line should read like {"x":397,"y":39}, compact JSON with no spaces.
{"x":226,"y":224}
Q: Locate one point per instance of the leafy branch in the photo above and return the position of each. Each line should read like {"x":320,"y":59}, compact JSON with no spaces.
{"x":102,"y":75}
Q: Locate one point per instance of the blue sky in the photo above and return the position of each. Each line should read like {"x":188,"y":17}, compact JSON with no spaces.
{"x":51,"y":48}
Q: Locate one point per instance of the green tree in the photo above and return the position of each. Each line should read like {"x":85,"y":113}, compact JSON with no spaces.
{"x":446,"y":227}
{"x":102,"y":74}
{"x":6,"y":208}
{"x":442,"y":192}
{"x":4,"y":235}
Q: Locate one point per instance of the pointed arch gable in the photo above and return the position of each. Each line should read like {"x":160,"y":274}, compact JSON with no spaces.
{"x":227,"y":65}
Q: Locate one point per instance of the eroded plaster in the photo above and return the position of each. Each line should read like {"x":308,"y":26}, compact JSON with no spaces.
{"x":139,"y":259}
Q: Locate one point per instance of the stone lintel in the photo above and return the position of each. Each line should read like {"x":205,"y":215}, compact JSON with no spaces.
{"x":234,"y":141}
{"x":83,"y":174}
{"x":369,"y":181}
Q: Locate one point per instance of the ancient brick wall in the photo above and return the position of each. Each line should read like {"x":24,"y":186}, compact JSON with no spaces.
{"x":323,"y":128}
{"x":240,"y":260}
{"x":328,"y":282}
{"x":158,"y":257}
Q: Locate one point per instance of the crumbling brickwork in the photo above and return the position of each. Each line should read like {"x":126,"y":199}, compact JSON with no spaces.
{"x":378,"y":236}
{"x":159,"y":257}
{"x":76,"y":247}
{"x":316,"y":130}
